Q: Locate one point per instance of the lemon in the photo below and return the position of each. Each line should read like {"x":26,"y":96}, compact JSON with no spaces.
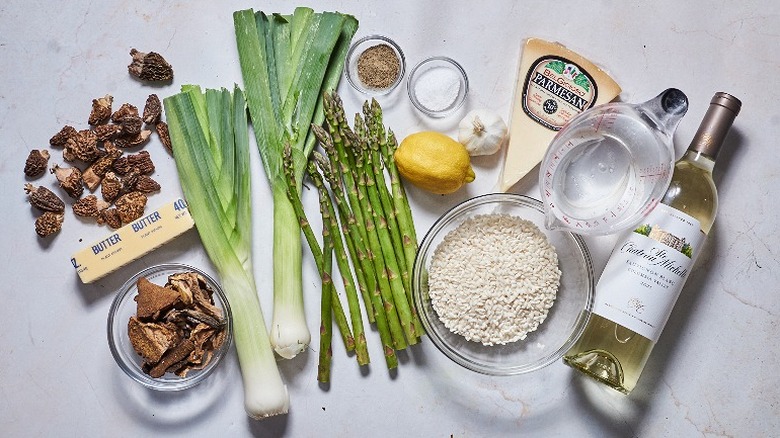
{"x":434,"y":162}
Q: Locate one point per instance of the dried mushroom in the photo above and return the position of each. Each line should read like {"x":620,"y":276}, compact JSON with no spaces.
{"x":101,"y":110}
{"x":131,"y":141}
{"x":141,"y":160}
{"x":44,"y":199}
{"x":36,"y":163}
{"x":145,"y":184}
{"x":149,"y":66}
{"x":173,"y":335}
{"x":126,"y":110}
{"x":130,"y":206}
{"x":100,"y":148}
{"x":154,"y":300}
{"x":49,"y":223}
{"x":165,"y":137}
{"x":151,"y":340}
{"x":94,"y":174}
{"x":129,"y":180}
{"x":110,"y":217}
{"x":89,"y":206}
{"x":111,"y":187}
{"x":130,"y":126}
{"x":60,"y":138}
{"x":70,"y":180}
{"x":172,"y":358}
{"x":152,"y":110}
{"x":83,"y":145}
{"x":106,"y":132}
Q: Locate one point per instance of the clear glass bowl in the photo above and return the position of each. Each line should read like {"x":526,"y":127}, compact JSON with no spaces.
{"x":448,"y":100}
{"x":566,"y":318}
{"x":351,"y":68}
{"x":124,"y":306}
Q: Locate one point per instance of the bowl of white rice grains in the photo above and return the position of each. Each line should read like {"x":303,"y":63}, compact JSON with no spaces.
{"x":497,"y":292}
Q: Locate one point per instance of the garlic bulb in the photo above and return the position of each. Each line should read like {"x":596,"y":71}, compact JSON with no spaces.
{"x":482,"y":132}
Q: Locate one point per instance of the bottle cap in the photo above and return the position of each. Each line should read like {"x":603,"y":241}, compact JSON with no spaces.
{"x":716,"y":123}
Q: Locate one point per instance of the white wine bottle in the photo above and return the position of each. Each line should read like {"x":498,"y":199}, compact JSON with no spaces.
{"x":647,"y":269}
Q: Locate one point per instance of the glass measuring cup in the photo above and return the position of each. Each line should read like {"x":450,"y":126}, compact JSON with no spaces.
{"x":610,"y":165}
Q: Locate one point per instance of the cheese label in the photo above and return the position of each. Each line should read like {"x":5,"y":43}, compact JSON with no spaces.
{"x":132,"y":241}
{"x":557,"y":89}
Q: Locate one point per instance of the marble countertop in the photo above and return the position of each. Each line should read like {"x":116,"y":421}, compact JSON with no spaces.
{"x":713,"y":372}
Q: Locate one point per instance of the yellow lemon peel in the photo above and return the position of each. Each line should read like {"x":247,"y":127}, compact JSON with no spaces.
{"x":434,"y":162}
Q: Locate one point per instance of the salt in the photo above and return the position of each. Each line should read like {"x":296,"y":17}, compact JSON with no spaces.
{"x":437,"y":88}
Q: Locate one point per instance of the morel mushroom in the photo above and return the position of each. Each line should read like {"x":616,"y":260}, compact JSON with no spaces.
{"x":70,"y":180}
{"x":124,"y":111}
{"x":89,"y":206}
{"x":129,"y":180}
{"x":130,"y":125}
{"x":97,"y":170}
{"x":36,"y":163}
{"x":149,"y":66}
{"x":141,"y":160}
{"x":130,"y":206}
{"x":111,"y":217}
{"x":152,"y":110}
{"x":101,"y":110}
{"x":106,"y":132}
{"x":49,"y":223}
{"x":140,"y":138}
{"x":82,"y":145}
{"x":145,"y":184}
{"x":165,"y":137}
{"x":60,"y":138}
{"x":111,"y":187}
{"x":43,"y":198}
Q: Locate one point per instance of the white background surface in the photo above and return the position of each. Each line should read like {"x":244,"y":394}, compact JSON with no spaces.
{"x":713,"y":372}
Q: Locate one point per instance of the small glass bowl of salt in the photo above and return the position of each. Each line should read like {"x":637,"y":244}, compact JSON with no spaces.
{"x":438,"y":86}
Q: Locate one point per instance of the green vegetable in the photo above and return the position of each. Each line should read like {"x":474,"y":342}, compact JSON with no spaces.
{"x":286,"y":63}
{"x":209,"y":133}
{"x":326,"y":313}
{"x":375,"y":221}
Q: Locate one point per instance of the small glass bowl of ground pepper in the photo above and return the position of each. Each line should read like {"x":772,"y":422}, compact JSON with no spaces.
{"x":375,"y":65}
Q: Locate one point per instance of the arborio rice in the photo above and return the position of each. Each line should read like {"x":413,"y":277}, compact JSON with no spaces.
{"x":493,"y":279}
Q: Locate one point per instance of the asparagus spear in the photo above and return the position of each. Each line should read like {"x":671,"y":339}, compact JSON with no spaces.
{"x":347,"y":166}
{"x":329,"y":221}
{"x":295,"y":199}
{"x":368,"y":269}
{"x":376,"y":140}
{"x":326,"y":311}
{"x":404,"y":211}
{"x":355,"y":241}
{"x":381,"y":243}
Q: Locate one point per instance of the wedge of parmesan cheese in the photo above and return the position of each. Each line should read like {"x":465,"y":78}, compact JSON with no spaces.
{"x":554,"y":84}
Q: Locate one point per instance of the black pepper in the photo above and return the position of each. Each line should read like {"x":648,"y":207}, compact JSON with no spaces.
{"x":378,"y":66}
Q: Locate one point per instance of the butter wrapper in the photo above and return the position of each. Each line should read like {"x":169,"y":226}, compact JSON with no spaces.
{"x":132,"y":241}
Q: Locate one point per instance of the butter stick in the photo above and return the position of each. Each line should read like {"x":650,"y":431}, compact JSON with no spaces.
{"x":132,"y":241}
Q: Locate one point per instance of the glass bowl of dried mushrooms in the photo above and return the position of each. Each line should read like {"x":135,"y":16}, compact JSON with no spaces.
{"x":169,"y":327}
{"x":496,"y":291}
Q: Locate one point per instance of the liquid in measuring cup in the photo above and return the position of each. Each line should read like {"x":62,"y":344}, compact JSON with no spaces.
{"x":595,"y":175}
{"x":608,"y":168}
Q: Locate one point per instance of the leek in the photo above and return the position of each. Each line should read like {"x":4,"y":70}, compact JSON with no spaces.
{"x":210,"y":135}
{"x":286,"y":64}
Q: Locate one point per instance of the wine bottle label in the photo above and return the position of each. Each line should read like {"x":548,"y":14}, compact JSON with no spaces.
{"x":647,"y":270}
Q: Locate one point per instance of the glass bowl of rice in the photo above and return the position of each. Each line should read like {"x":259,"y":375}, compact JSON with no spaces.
{"x":496,"y":291}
